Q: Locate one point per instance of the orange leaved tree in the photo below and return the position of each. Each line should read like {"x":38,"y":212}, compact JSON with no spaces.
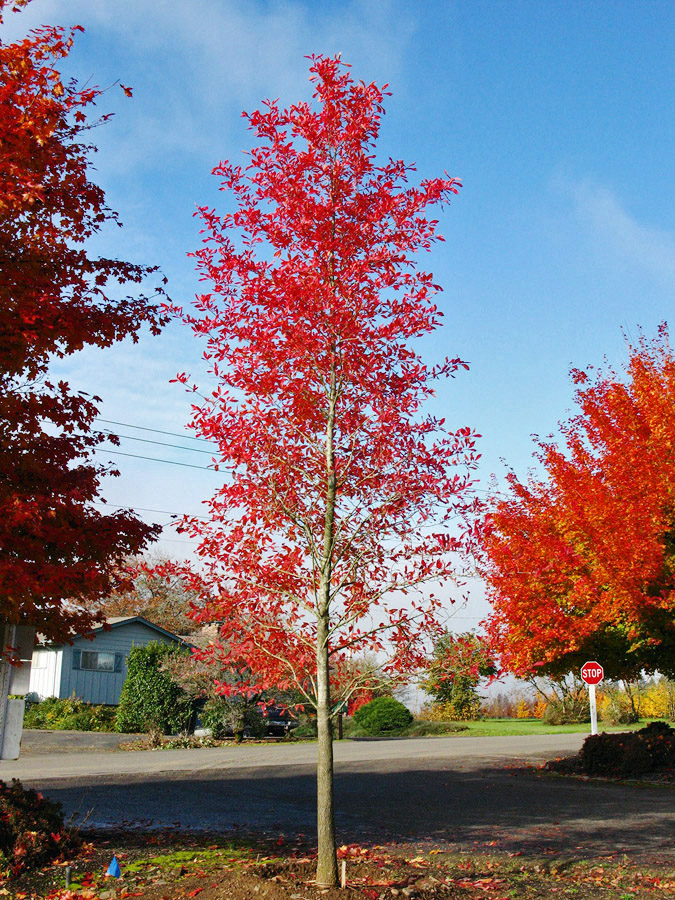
{"x":580,"y":562}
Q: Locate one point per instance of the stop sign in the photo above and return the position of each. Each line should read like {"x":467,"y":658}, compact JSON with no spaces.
{"x":592,"y":672}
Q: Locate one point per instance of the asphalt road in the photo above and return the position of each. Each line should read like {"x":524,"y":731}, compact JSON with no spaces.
{"x":457,"y":792}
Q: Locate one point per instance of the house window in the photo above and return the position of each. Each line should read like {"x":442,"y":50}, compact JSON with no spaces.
{"x":98,"y":661}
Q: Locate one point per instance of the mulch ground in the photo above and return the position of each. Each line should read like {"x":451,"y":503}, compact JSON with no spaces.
{"x":173,"y":866}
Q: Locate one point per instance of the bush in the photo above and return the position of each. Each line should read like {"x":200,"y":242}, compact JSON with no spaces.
{"x":384,"y":715}
{"x":569,"y":710}
{"x":629,"y":754}
{"x":658,"y":699}
{"x":69,"y":714}
{"x":150,"y":698}
{"x":617,"y":712}
{"x":226,"y":716}
{"x":308,"y":731}
{"x":422,"y":728}
{"x":448,"y":712}
{"x":31,"y":828}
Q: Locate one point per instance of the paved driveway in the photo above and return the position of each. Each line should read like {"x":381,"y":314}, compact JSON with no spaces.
{"x":65,"y":764}
{"x":453,"y":792}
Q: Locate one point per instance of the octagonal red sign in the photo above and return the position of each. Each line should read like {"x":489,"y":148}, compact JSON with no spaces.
{"x":592,"y":672}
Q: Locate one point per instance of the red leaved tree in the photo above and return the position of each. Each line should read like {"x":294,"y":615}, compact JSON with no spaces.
{"x":580,"y":562}
{"x":338,"y":491}
{"x":58,"y":552}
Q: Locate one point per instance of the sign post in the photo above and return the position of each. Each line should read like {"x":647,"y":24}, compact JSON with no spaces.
{"x":592,"y":673}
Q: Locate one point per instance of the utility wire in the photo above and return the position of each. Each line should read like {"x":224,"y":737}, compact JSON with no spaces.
{"x":188,"y":437}
{"x":176,"y":541}
{"x":129,"y":437}
{"x":170,"y":462}
{"x":166,"y":512}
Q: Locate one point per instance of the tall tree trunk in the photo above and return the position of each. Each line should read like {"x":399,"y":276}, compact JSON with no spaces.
{"x":326,"y":869}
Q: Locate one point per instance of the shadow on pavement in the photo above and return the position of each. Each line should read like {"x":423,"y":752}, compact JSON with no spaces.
{"x":511,"y":810}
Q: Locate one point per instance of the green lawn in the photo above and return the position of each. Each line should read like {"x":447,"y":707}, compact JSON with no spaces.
{"x":499,"y":727}
{"x":493,"y":728}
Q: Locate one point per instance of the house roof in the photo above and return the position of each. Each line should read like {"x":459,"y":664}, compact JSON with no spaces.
{"x":117,"y":621}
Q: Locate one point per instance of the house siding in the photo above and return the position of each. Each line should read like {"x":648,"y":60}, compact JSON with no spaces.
{"x":94,"y":687}
{"x":45,"y":673}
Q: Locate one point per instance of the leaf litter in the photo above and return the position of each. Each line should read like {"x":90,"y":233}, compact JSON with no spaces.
{"x":175,"y":866}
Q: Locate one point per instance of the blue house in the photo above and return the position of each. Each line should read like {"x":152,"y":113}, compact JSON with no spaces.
{"x":94,"y":667}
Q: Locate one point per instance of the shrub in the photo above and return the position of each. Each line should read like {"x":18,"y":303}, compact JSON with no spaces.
{"x":617,"y":708}
{"x":69,"y":714}
{"x":308,"y":731}
{"x":226,"y":716}
{"x":447,"y":712}
{"x":629,"y":753}
{"x":422,"y":728}
{"x":384,"y":715}
{"x":571,"y":709}
{"x":658,"y":700}
{"x":150,"y":698}
{"x":31,"y":828}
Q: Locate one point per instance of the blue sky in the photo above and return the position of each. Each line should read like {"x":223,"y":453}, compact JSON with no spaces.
{"x":558,"y":118}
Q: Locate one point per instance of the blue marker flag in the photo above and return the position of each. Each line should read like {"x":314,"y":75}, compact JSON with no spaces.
{"x":114,"y":868}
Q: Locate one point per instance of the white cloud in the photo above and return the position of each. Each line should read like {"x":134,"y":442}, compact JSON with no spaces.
{"x":195,"y":66}
{"x":622,"y":236}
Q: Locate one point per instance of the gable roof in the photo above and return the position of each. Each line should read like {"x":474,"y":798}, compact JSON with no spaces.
{"x":117,"y":621}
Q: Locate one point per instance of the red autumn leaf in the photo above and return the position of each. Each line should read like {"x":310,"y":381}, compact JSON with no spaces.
{"x":318,"y":547}
{"x":56,"y":297}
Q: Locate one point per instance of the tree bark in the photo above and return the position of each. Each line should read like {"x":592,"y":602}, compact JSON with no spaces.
{"x":326,"y":870}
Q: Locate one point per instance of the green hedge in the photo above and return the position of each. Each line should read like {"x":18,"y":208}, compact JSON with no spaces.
{"x":383,"y":715}
{"x":151,"y":699}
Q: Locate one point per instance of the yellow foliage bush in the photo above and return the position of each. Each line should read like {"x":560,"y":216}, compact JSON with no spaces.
{"x":658,"y":700}
{"x":439,"y":712}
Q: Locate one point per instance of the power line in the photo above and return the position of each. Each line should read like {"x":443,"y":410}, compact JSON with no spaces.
{"x":176,"y":541}
{"x":187,"y":437}
{"x":166,"y":512}
{"x":170,"y":462}
{"x":129,"y":437}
